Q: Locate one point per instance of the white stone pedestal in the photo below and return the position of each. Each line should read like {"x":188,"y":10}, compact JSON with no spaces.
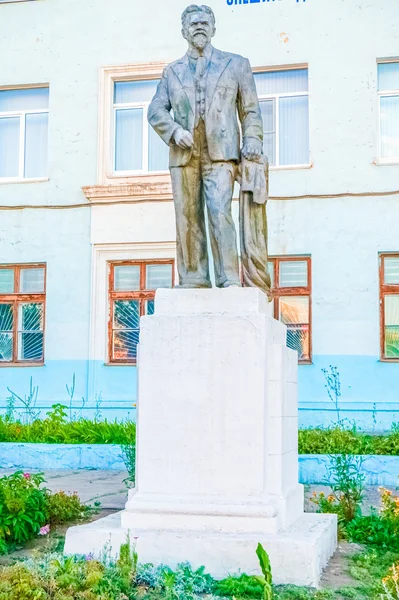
{"x":217,"y":459}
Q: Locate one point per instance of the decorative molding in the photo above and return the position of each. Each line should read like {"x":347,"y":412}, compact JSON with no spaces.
{"x":141,"y":188}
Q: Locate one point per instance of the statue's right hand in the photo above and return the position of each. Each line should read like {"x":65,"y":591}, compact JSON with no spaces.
{"x":183,"y":138}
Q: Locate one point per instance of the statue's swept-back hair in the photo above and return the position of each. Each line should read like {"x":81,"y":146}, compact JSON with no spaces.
{"x":193,"y":8}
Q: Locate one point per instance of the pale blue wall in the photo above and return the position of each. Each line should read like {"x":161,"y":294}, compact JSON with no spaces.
{"x":64,"y":44}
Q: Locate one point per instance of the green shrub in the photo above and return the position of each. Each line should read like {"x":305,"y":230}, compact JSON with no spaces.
{"x":347,"y":484}
{"x":62,"y":507}
{"x":28,"y":509}
{"x":22,"y":507}
{"x":56,"y":429}
{"x":243,"y":586}
{"x":339,"y":440}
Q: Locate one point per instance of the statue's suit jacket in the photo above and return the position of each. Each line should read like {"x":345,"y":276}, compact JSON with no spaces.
{"x":230,"y":88}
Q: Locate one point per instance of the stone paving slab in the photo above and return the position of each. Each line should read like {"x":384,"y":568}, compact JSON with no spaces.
{"x":106,"y":487}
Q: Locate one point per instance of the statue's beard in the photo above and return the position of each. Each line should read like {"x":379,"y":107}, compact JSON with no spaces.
{"x":200,"y":40}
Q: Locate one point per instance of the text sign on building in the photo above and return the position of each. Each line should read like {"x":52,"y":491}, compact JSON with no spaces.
{"x":235,"y":2}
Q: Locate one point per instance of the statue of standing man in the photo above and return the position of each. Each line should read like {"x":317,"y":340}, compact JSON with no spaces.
{"x":207,"y":90}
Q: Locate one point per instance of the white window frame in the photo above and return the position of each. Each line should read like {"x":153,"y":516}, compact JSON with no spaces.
{"x":22,"y":127}
{"x":394,"y":160}
{"x":276,"y":98}
{"x":106,"y":174}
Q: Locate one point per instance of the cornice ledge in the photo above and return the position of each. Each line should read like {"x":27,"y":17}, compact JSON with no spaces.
{"x":136,"y":191}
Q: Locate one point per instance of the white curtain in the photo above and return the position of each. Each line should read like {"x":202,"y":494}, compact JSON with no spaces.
{"x":294,"y":130}
{"x":389,"y":124}
{"x":129,"y":139}
{"x":36,"y":145}
{"x":9,"y":146}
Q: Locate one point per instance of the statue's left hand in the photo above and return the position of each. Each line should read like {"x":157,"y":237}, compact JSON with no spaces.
{"x":252,"y":149}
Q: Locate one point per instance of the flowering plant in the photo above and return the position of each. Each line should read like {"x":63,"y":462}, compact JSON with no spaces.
{"x":390,"y":584}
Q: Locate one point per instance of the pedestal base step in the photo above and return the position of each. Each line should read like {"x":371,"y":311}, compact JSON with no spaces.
{"x":298,"y":555}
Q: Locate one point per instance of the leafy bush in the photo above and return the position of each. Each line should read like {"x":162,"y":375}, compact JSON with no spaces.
{"x":22,"y":507}
{"x":338,"y":440}
{"x":243,"y":586}
{"x":381,"y":529}
{"x":28,"y":509}
{"x":56,"y":429}
{"x":181,"y":584}
{"x":347,"y":484}
{"x":129,"y":458}
{"x":62,"y":507}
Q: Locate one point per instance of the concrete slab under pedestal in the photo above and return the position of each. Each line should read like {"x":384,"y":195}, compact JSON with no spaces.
{"x":298,"y":554}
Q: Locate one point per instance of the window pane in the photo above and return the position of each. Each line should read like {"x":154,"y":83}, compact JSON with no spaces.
{"x":388,"y":76}
{"x":294,"y":309}
{"x":158,"y":152}
{"x":270,"y":265}
{"x":293,"y":273}
{"x":126,"y":320}
{"x":6,"y":281}
{"x":126,"y":278}
{"x":126,"y":314}
{"x":158,"y":276}
{"x":391,"y":270}
{"x":267,"y":109}
{"x":6,"y":329}
{"x":134,"y":91}
{"x":125,"y":344}
{"x":36,"y":141}
{"x":294,"y":312}
{"x":9,"y":147}
{"x":31,"y":281}
{"x":391,"y":326}
{"x":149,"y":307}
{"x":389,"y":123}
{"x":29,"y":99}
{"x":294,"y":131}
{"x":129,"y":140}
{"x":280,"y":82}
{"x":30,"y":332}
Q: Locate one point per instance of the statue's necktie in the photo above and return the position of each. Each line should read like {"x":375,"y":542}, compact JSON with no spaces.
{"x":200,"y":67}
{"x":200,"y":83}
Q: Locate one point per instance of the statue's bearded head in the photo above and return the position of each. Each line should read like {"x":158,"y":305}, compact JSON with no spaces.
{"x":198,"y":25}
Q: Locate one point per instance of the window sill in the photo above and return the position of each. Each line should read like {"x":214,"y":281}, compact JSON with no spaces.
{"x":291,"y":167}
{"x":305,"y":362}
{"x":33,"y":180}
{"x":389,"y":360}
{"x":120,"y":364}
{"x":13,"y":1}
{"x":21,"y":364}
{"x":392,"y":162}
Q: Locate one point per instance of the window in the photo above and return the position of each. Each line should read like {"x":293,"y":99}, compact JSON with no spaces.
{"x":137,"y":148}
{"x":389,"y":303}
{"x":284,"y":105}
{"x":132,"y":286}
{"x":23,"y":133}
{"x":22,"y":298}
{"x":291,"y":288}
{"x":388,"y":99}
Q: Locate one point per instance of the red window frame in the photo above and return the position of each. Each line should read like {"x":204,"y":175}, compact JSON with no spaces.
{"x":278,"y":291}
{"x":390,"y":289}
{"x":16,"y":298}
{"x":142,"y":295}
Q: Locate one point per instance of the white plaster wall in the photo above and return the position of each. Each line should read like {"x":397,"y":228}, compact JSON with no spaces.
{"x":65,"y":44}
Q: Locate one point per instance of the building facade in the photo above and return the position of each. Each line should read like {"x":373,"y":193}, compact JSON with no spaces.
{"x":86,"y":214}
